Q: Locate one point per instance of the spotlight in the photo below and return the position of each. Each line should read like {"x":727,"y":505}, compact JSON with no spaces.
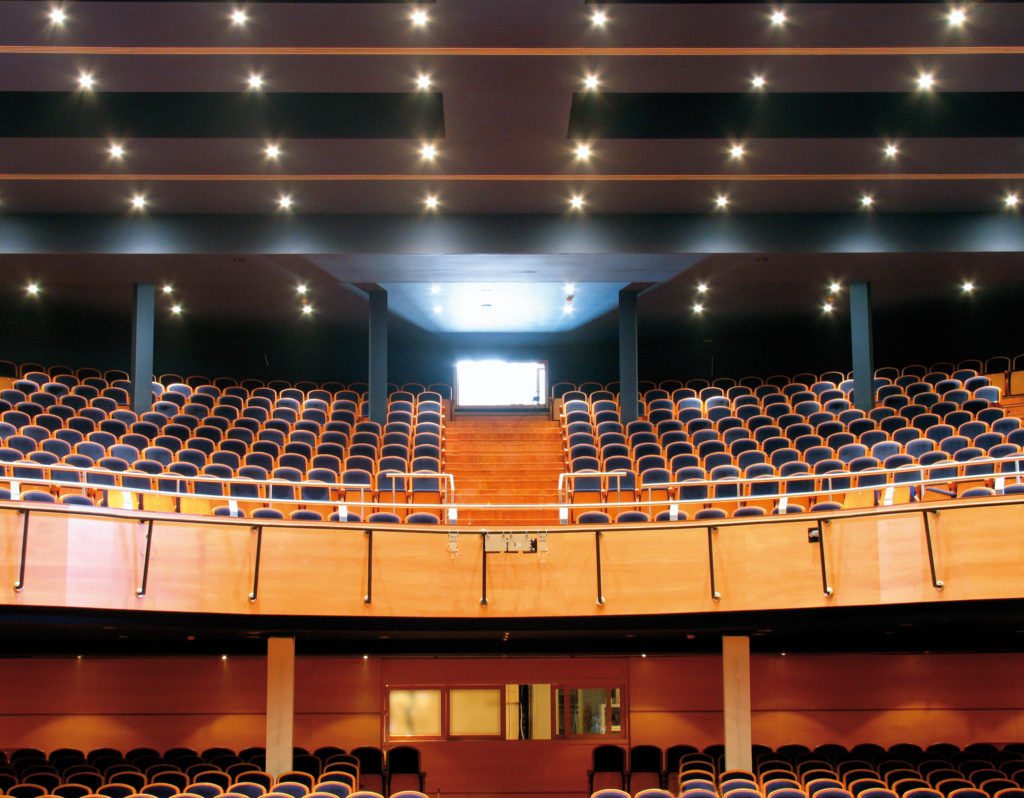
{"x":758,"y":81}
{"x":1011,"y":200}
{"x":435,"y":289}
{"x":957,"y":17}
{"x":834,"y":288}
{"x":116,"y":151}
{"x":32,"y":289}
{"x":925,"y":81}
{"x":138,"y":202}
{"x":778,"y":17}
{"x":272,"y":151}
{"x":591,"y":82}
{"x":58,"y":16}
{"x":168,"y":288}
{"x":86,"y":81}
{"x":307,"y":309}
{"x":583,"y":152}
{"x":698,"y":307}
{"x":967,"y":286}
{"x":419,"y":17}
{"x":176,"y":310}
{"x":827,"y":307}
{"x":737,"y":151}
{"x":702,"y":288}
{"x":423,"y":82}
{"x":239,"y":17}
{"x":891,"y":150}
{"x":576,"y":202}
{"x":428,"y":152}
{"x":866,"y":201}
{"x":284,"y":202}
{"x":721,"y":201}
{"x":255,"y":81}
{"x":599,"y":19}
{"x":430,"y":201}
{"x":302,"y":289}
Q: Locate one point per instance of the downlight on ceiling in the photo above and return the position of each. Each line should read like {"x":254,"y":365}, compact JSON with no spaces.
{"x":239,"y":17}
{"x":419,"y":17}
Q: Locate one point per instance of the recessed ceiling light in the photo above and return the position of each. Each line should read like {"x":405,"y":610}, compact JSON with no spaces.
{"x":138,"y":202}
{"x":438,"y":309}
{"x":925,"y":81}
{"x":239,"y":17}
{"x":419,"y":17}
{"x":967,"y":286}
{"x":576,"y":201}
{"x":435,"y":289}
{"x":307,"y":309}
{"x":569,"y":288}
{"x":721,"y":201}
{"x":176,"y":309}
{"x":957,"y":17}
{"x":32,"y":288}
{"x":866,"y":201}
{"x":86,"y":81}
{"x":301,"y":288}
{"x":702,"y":288}
{"x":599,"y":18}
{"x":168,"y":288}
{"x":778,"y":17}
{"x":284,"y":201}
{"x":891,"y":150}
{"x":58,"y":16}
{"x":116,"y":151}
{"x":272,"y":151}
{"x":758,"y":81}
{"x":430,"y":201}
{"x":827,"y":307}
{"x":591,"y":82}
{"x":698,"y":307}
{"x":567,"y":309}
{"x":834,"y":287}
{"x":737,"y":151}
{"x":255,"y":81}
{"x":583,"y":152}
{"x":1011,"y":200}
{"x":428,"y":152}
{"x":423,"y":82}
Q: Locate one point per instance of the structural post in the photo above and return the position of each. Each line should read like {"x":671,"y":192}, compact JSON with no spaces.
{"x":378,"y":377}
{"x":628,"y":372}
{"x":736,"y":702}
{"x":280,"y":703}
{"x":143,"y":304}
{"x":863,"y":349}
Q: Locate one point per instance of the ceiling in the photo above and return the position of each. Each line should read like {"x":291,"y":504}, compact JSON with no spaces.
{"x":506,"y":108}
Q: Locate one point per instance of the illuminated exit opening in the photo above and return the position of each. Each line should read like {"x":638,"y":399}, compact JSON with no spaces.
{"x":498,"y":383}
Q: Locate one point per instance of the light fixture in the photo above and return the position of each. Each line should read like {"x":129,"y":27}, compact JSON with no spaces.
{"x":925,"y":81}
{"x":272,"y":151}
{"x":569,"y":288}
{"x":957,"y":17}
{"x":168,"y":288}
{"x":698,"y":307}
{"x":430,"y":201}
{"x":419,"y":17}
{"x":1011,"y":200}
{"x":438,"y":309}
{"x":423,"y":82}
{"x":599,"y":18}
{"x":967,"y":286}
{"x":302,"y":289}
{"x":702,"y":288}
{"x":116,"y":151}
{"x":86,"y":81}
{"x":778,"y":17}
{"x":255,"y":81}
{"x":58,"y":16}
{"x":284,"y":201}
{"x":428,"y":152}
{"x":758,"y":81}
{"x":307,"y":309}
{"x":138,"y":202}
{"x":891,"y":150}
{"x":582,"y":152}
{"x":435,"y":289}
{"x":866,"y":201}
{"x":721,"y":201}
{"x":827,"y":307}
{"x":239,"y":17}
{"x":590,"y":82}
{"x":834,"y":287}
{"x":223,"y":656}
{"x":567,"y":309}
{"x":576,"y":202}
{"x":32,"y":288}
{"x":176,"y":310}
{"x":737,"y":151}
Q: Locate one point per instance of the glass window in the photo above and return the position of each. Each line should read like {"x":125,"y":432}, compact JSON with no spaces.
{"x":474,"y":712}
{"x":414,"y":713}
{"x":587,"y":711}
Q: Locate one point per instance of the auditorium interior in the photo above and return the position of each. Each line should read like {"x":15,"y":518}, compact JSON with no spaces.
{"x":755,"y":526}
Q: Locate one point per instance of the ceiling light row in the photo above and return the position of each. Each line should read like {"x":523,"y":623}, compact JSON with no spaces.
{"x":239,"y":17}
{"x":777,"y":17}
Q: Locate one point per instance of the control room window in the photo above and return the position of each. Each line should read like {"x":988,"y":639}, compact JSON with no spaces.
{"x":587,"y":711}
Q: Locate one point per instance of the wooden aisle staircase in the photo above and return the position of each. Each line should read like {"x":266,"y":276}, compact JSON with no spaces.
{"x":513,"y":458}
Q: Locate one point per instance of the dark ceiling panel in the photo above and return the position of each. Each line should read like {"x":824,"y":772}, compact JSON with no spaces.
{"x":645,"y":115}
{"x":308,"y":115}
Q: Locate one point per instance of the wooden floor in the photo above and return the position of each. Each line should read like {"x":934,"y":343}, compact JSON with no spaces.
{"x":504,"y":459}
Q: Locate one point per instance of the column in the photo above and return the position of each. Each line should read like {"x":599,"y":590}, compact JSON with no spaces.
{"x":280,"y":703}
{"x":863,"y":349}
{"x":378,"y":377}
{"x":736,"y":702}
{"x":143,"y":304}
{"x":628,"y":372}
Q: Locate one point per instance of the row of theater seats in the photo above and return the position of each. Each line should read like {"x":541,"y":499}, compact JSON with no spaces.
{"x":1004,"y":372}
{"x":830,"y":771}
{"x":249,"y":445}
{"x":791,"y":433}
{"x":328,"y":772}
